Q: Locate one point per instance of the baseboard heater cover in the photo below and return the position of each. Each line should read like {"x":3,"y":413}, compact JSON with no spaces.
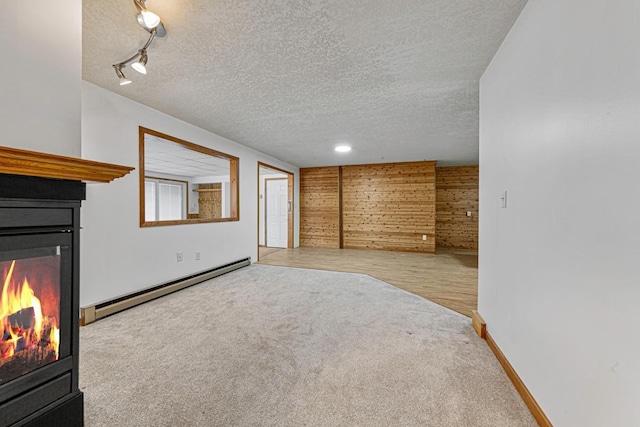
{"x":90,"y":314}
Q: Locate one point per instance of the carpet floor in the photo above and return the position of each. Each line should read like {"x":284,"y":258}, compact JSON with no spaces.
{"x":277,"y":346}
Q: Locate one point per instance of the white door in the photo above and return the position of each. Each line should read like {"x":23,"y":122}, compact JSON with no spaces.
{"x":277,"y":213}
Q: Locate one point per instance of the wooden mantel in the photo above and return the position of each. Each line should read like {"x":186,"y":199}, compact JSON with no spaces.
{"x":22,"y":162}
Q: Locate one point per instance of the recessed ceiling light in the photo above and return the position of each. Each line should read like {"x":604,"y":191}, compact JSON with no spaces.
{"x":343,"y":148}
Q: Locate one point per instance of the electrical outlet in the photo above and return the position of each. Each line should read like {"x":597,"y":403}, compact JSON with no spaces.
{"x":468,"y":213}
{"x":197,"y":255}
{"x":424,"y":237}
{"x":179,"y":256}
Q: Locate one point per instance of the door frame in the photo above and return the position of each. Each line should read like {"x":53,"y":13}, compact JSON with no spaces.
{"x":290,"y":196}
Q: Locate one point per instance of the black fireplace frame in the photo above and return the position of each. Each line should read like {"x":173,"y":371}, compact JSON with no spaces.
{"x":36,"y":212}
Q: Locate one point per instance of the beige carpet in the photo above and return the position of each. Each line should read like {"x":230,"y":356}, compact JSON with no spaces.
{"x":276,"y":346}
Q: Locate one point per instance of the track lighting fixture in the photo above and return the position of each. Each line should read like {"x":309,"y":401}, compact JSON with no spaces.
{"x":151,"y":23}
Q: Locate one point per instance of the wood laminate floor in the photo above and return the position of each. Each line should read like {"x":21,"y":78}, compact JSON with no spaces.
{"x":264,"y":251}
{"x":448,"y":278}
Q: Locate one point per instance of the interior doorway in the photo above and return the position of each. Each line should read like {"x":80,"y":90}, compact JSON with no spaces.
{"x":275,"y":209}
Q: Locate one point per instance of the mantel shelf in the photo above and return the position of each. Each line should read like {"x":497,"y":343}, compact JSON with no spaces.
{"x":31,"y":163}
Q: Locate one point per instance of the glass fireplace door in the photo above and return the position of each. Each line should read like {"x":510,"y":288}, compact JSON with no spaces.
{"x":34,"y":282}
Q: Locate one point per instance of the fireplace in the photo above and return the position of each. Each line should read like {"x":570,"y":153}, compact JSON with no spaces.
{"x":39,"y":223}
{"x":39,"y":285}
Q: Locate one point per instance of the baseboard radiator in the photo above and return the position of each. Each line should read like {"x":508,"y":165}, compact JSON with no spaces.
{"x":107,"y":308}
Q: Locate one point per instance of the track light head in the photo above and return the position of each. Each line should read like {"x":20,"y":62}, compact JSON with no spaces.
{"x":142,"y":62}
{"x":149,"y":20}
{"x":120,"y":74}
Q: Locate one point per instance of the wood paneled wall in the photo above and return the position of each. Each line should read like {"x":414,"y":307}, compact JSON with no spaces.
{"x":389,"y":206}
{"x":320,"y":207}
{"x":457,"y":192}
{"x":210,"y":201}
{"x":383,"y":206}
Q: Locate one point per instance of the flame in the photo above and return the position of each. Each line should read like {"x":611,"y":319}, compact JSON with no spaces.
{"x":54,"y":339}
{"x":16,"y":298}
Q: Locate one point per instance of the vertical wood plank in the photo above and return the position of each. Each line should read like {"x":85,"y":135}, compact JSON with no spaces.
{"x":457,"y":192}
{"x":340,"y":209}
{"x":320,"y":207}
{"x":209,"y":202}
{"x":389,"y":206}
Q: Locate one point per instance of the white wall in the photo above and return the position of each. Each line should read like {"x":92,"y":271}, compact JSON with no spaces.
{"x":559,"y":278}
{"x":40,"y":75}
{"x":119,"y":257}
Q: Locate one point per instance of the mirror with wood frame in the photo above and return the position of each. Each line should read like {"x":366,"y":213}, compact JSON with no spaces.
{"x":185,"y":183}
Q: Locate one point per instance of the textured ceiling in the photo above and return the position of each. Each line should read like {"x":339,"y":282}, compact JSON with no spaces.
{"x":395,"y":79}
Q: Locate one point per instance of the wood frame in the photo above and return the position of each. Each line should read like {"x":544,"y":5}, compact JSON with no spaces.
{"x":31,"y":163}
{"x":234,"y":182}
{"x":291,"y":217}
